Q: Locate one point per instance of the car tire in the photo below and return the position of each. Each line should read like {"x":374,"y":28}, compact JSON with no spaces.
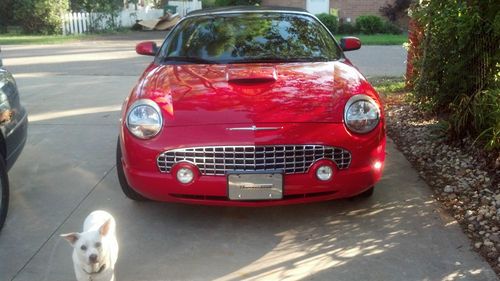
{"x":127,"y":190}
{"x":4,"y":193}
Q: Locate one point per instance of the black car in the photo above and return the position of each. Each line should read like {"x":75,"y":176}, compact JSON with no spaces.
{"x":13,"y":132}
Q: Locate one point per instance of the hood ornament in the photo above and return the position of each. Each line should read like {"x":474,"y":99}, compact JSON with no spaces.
{"x":254,"y":128}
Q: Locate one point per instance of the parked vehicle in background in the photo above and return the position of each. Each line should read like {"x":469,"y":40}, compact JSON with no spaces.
{"x":13,"y":133}
{"x":250,"y":106}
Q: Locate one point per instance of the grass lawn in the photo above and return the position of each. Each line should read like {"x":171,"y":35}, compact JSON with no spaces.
{"x":16,"y":39}
{"x":388,"y":85}
{"x":379,"y":39}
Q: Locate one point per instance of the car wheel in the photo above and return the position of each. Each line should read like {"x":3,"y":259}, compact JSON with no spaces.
{"x":127,"y":190}
{"x":4,"y":193}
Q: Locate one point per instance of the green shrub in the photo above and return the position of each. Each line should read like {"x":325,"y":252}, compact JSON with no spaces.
{"x":369,"y":24}
{"x":478,"y":116}
{"x":347,"y":28}
{"x":6,"y":15}
{"x":330,"y":21}
{"x":98,"y":6}
{"x":391,"y":28}
{"x":207,"y":4}
{"x":39,"y":16}
{"x":458,"y":70}
{"x":104,"y":13}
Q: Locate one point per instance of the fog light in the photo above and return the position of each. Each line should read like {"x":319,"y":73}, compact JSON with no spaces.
{"x":377,"y":165}
{"x":185,"y":175}
{"x":324,"y":173}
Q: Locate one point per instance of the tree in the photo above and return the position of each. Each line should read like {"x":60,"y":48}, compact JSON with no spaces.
{"x":457,"y":71}
{"x":103,"y":12}
{"x":39,"y":16}
{"x":6,"y":15}
{"x":396,"y":9}
{"x":98,"y":6}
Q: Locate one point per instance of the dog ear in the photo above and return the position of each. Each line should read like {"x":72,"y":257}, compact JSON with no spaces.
{"x":71,"y":237}
{"x":104,"y":229}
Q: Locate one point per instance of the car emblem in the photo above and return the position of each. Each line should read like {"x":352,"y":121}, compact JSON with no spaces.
{"x":255,"y":128}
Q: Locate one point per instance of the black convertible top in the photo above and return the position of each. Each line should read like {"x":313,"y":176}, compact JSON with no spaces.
{"x":236,"y":9}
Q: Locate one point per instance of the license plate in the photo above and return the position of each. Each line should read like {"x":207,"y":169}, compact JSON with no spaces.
{"x":255,"y":186}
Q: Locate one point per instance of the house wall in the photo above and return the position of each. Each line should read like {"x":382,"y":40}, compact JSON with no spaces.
{"x":285,"y":3}
{"x":351,"y":9}
{"x":347,"y":9}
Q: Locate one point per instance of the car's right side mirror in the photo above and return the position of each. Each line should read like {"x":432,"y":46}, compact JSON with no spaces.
{"x":350,"y":43}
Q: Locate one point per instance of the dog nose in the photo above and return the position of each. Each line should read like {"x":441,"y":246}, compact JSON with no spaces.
{"x":93,"y":258}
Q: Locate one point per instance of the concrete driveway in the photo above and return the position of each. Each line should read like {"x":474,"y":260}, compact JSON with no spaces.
{"x":73,"y":93}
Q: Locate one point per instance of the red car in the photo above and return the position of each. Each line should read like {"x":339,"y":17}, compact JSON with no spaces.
{"x":250,"y":107}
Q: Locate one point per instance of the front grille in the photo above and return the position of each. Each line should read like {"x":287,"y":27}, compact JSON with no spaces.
{"x":218,"y":160}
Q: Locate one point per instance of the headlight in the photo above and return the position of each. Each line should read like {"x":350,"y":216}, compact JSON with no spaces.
{"x":144,"y":119}
{"x":361,"y":114}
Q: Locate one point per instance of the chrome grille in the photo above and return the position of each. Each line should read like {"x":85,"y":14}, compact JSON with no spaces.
{"x":218,"y":160}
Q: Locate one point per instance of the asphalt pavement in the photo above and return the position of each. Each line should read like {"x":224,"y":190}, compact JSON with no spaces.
{"x":73,"y":93}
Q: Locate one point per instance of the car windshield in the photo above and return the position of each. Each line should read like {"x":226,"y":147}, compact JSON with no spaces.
{"x":242,"y":38}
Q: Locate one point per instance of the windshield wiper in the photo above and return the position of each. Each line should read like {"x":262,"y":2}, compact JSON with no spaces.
{"x":196,"y":60}
{"x":188,"y":60}
{"x":277,"y":60}
{"x":314,"y":59}
{"x":320,"y":58}
{"x":262,"y":60}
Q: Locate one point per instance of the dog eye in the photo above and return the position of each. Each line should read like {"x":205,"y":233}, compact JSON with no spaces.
{"x":98,"y":244}
{"x":83,"y":247}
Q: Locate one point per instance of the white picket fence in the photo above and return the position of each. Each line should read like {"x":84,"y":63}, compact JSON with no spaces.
{"x":184,"y":7}
{"x":75,"y":23}
{"x":130,"y":16}
{"x":78,"y":23}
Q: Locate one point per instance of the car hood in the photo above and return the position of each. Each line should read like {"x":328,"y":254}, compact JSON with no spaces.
{"x":198,"y":94}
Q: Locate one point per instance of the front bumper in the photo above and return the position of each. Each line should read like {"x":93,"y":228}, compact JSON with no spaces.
{"x":143,"y":175}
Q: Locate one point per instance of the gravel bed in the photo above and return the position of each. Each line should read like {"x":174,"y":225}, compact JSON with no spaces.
{"x":464,"y":177}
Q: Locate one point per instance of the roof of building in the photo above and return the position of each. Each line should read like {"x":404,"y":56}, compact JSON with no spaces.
{"x":236,"y":9}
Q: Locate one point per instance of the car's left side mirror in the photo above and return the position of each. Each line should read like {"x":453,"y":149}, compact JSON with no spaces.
{"x":147,"y":48}
{"x":350,"y":43}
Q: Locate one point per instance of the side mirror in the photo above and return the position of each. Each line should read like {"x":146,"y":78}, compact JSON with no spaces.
{"x":350,"y":44}
{"x":147,"y":48}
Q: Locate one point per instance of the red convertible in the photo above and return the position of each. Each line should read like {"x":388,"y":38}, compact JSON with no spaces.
{"x":250,"y":106}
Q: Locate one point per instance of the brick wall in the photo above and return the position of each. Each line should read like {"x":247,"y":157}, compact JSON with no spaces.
{"x":285,"y":3}
{"x":354,"y":8}
{"x":347,"y":8}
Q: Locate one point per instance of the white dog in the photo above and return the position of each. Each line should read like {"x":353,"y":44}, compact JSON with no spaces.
{"x":95,"y":250}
